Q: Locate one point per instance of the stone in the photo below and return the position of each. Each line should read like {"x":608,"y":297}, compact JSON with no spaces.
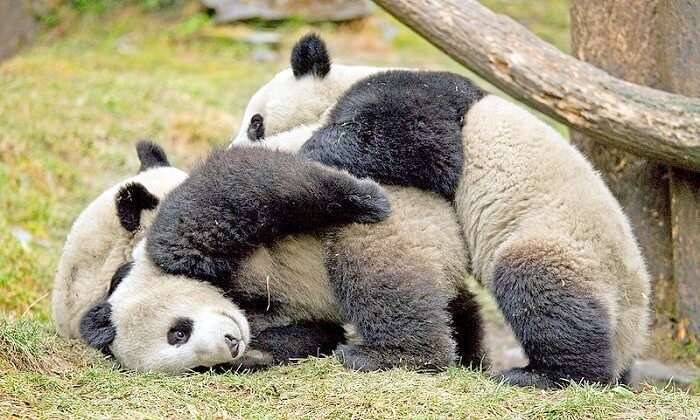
{"x":309,"y":10}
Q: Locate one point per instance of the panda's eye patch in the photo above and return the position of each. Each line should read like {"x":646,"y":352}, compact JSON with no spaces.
{"x":256,"y":129}
{"x":180,"y":332}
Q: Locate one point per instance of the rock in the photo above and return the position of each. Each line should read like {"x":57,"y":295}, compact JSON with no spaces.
{"x":309,"y":10}
{"x":264,"y":55}
{"x":651,"y":371}
{"x":17,"y":26}
{"x":264,"y":38}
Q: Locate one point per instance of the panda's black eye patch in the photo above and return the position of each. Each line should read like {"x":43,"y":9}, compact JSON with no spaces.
{"x":180,"y":332}
{"x":256,"y":129}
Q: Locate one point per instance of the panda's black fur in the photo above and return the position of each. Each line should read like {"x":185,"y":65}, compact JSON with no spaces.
{"x":150,"y":155}
{"x":252,"y":205}
{"x":377,"y":127}
{"x":311,"y":57}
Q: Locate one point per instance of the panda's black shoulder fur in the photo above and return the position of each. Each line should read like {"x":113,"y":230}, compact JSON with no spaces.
{"x":151,"y":155}
{"x":310,"y":56}
{"x":399,"y":127}
{"x":244,"y":197}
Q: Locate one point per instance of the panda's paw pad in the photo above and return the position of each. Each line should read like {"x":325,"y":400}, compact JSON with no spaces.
{"x":356,"y":358}
{"x":371,"y":201}
{"x":527,"y":378}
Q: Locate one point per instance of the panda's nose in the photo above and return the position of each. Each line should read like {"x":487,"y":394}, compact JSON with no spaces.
{"x":232,"y":344}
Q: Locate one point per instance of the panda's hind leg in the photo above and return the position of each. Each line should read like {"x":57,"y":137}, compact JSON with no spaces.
{"x":399,"y":319}
{"x":563,"y":328}
{"x":467,"y":329}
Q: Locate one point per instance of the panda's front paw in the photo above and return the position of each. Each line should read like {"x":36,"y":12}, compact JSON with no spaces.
{"x":356,"y":358}
{"x":253,"y":360}
{"x":371,"y":202}
{"x":527,"y":378}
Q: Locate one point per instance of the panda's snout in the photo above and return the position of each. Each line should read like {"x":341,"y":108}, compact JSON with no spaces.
{"x":233,"y":344}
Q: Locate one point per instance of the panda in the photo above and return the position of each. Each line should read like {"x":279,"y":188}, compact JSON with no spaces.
{"x":269,"y":109}
{"x":103,"y":237}
{"x":291,"y":242}
{"x":544,"y":234}
{"x":97,"y":256}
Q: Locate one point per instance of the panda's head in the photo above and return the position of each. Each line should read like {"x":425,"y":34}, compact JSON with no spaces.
{"x":104,"y":235}
{"x":299,"y":95}
{"x":153,"y":321}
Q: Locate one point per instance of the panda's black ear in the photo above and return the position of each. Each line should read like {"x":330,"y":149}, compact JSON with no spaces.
{"x":130,"y":201}
{"x":310,"y":56}
{"x":150,"y":155}
{"x":96,"y":327}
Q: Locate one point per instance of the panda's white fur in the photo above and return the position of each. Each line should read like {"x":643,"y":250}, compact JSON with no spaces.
{"x":97,"y":245}
{"x":542,"y":229}
{"x":527,"y":197}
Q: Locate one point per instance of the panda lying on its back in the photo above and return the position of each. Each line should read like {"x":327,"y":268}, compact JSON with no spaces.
{"x":543,"y":231}
{"x":227,"y":229}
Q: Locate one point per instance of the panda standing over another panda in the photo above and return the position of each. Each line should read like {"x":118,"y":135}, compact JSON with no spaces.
{"x":544,"y":233}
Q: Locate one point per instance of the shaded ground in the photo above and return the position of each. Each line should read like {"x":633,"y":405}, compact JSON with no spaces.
{"x":70,"y":110}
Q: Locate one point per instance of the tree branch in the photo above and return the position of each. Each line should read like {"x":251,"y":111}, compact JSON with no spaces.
{"x":642,"y":120}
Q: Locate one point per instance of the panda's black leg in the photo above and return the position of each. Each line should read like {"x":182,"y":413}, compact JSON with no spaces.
{"x":399,"y":319}
{"x":627,"y":377}
{"x":564,"y":330}
{"x":467,"y":329}
{"x":299,"y":340}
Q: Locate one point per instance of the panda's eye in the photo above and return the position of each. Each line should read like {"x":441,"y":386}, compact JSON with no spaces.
{"x":180,"y":332}
{"x":256,"y":128}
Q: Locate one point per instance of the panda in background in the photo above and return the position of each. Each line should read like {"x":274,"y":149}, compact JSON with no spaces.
{"x":293,"y":101}
{"x":103,"y":237}
{"x":291,"y":242}
{"x":544,"y":233}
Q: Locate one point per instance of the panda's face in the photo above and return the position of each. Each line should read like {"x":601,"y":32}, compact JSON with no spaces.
{"x":283,"y":103}
{"x":158,"y":322}
{"x":287,"y":102}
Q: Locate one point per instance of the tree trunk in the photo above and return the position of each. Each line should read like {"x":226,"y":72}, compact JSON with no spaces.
{"x":638,"y":119}
{"x":620,"y":37}
{"x":654,"y":43}
{"x":17,"y":26}
{"x":679,"y":60}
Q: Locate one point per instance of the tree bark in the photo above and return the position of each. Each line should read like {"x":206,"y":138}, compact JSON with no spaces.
{"x":679,"y":60}
{"x":634,"y":118}
{"x":620,"y":37}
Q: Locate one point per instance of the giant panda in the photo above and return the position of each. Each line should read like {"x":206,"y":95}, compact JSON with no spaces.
{"x":291,"y":242}
{"x":544,"y":233}
{"x":104,"y":235}
{"x":97,"y":255}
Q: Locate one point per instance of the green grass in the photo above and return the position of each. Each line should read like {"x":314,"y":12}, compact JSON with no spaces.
{"x":70,"y":111}
{"x":53,"y":378}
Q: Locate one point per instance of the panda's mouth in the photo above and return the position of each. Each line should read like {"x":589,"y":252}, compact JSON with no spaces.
{"x":244,"y":339}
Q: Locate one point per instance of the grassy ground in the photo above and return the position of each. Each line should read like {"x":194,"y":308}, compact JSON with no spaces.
{"x":70,"y":110}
